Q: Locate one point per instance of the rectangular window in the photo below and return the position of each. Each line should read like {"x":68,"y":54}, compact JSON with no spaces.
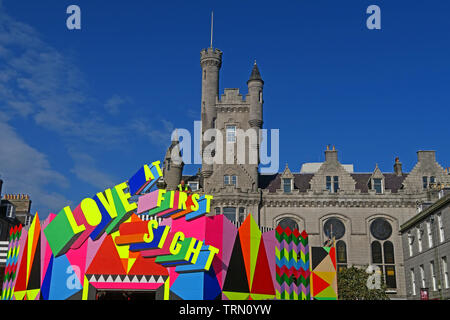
{"x":234,"y":180}
{"x":329,"y":183}
{"x":433,"y":276}
{"x":377,"y":185}
{"x":413,"y":282}
{"x":230,"y":213}
{"x":430,"y":235}
{"x":217,"y":210}
{"x":410,"y":243}
{"x":335,"y":184}
{"x":226,"y":180}
{"x":441,"y":228}
{"x":241,"y":214}
{"x":287,"y":185}
{"x":10,"y":211}
{"x":231,"y":134}
{"x":432,"y":180}
{"x":422,"y":276}
{"x":445,"y":272}
{"x":419,"y":239}
{"x":425,"y":182}
{"x":390,"y":277}
{"x":193,"y":185}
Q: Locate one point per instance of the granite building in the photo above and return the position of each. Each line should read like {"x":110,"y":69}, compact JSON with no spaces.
{"x":362,"y":210}
{"x":426,"y":248}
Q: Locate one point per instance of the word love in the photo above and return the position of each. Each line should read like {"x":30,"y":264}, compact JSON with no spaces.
{"x":104,"y":212}
{"x":170,"y":248}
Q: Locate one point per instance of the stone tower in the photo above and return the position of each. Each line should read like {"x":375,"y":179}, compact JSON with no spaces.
{"x":173,"y":166}
{"x":255,"y":94}
{"x":239,"y":119}
{"x":210,"y":61}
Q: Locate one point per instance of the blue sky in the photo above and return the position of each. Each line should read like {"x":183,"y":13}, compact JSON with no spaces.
{"x":82,"y":110}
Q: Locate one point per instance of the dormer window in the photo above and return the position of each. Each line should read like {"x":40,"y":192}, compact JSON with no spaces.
{"x":230,"y":180}
{"x":287,"y":185}
{"x":332,"y":183}
{"x":378,"y":185}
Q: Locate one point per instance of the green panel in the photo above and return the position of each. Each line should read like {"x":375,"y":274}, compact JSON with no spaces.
{"x":59,"y":234}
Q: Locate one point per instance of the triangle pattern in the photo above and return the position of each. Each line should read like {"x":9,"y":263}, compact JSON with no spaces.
{"x":262,"y":281}
{"x":318,"y":284}
{"x":236,"y":278}
{"x":236,"y":295}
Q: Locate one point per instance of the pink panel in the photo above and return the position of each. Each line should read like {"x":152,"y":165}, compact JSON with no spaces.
{"x":46,"y":251}
{"x":229,"y":235}
{"x":78,"y":258}
{"x":214,"y":237}
{"x":92,"y":248}
{"x":270,"y":243}
{"x":147,"y":202}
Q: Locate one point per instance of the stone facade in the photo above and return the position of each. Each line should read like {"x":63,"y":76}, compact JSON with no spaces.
{"x":353,"y":201}
{"x":426,"y":250}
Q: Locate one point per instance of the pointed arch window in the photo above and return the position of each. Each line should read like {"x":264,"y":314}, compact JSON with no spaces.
{"x":341,"y":255}
{"x":382,"y":250}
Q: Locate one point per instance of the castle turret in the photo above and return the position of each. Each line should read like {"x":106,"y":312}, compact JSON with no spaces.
{"x":173,"y":166}
{"x":210,"y":61}
{"x":255,"y":91}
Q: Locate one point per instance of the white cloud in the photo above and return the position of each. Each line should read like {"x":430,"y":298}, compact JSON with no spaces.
{"x":85,"y":169}
{"x":26,"y":170}
{"x":114,"y":103}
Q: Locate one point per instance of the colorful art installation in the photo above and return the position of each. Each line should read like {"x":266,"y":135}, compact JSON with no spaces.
{"x":323,"y":273}
{"x":131,"y":238}
{"x":292,"y":265}
{"x":11,"y":263}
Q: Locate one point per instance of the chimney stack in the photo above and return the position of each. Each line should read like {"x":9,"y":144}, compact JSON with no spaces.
{"x":331,"y":155}
{"x":398,"y":167}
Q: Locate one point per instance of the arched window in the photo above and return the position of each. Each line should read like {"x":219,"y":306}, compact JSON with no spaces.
{"x":288,"y":223}
{"x":388,"y":249}
{"x":376,"y":252}
{"x":383,"y":250}
{"x":341,"y":255}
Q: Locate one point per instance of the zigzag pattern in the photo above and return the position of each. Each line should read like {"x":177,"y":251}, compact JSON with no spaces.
{"x":11,"y":263}
{"x":292,"y":265}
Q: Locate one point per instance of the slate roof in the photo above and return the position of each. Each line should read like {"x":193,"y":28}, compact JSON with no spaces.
{"x":302,"y":181}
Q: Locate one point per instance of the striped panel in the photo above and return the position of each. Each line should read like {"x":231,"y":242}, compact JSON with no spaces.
{"x":292,"y":265}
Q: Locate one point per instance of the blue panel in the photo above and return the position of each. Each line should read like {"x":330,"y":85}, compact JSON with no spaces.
{"x":61,"y":285}
{"x":189,"y":286}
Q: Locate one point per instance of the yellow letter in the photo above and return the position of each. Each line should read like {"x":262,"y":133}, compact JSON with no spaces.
{"x":175,"y":247}
{"x":212,"y":252}
{"x":124,"y":197}
{"x":195,"y":197}
{"x":193,"y":250}
{"x":158,"y":168}
{"x":163,"y":237}
{"x":152,"y":224}
{"x":160,"y":197}
{"x":148,"y":173}
{"x":91,"y":212}
{"x":75,"y":227}
{"x":182,"y":198}
{"x":208,"y":202}
{"x":108,"y":203}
